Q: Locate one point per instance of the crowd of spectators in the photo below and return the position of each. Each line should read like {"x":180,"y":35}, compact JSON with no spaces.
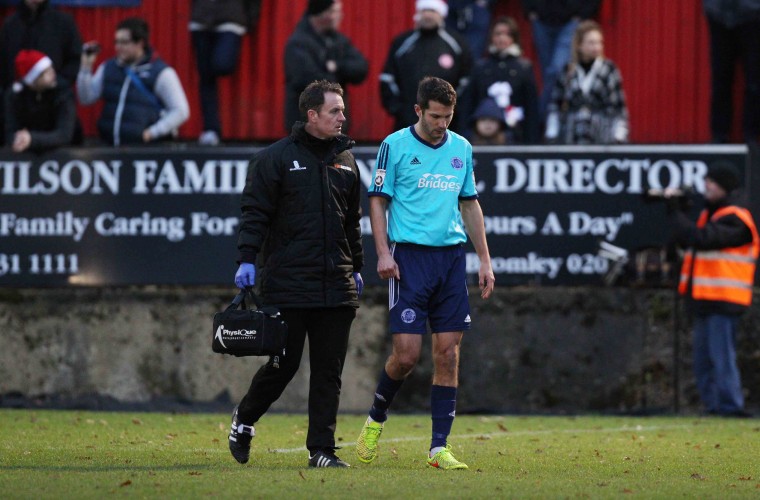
{"x":580,"y":99}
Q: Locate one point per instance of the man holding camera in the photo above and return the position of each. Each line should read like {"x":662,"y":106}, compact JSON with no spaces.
{"x":717,"y":274}
{"x":143,"y":98}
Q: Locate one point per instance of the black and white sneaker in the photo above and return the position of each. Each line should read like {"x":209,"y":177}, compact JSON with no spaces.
{"x":325,"y":458}
{"x":240,"y":439}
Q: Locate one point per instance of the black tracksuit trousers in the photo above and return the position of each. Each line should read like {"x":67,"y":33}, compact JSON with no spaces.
{"x":327,"y":330}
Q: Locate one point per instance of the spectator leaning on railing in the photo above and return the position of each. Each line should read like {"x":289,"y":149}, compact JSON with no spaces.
{"x":40,"y":111}
{"x":37,"y":25}
{"x":143,"y":97}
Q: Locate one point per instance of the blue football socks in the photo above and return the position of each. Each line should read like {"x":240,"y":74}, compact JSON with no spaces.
{"x":384,"y":394}
{"x":443,"y":402}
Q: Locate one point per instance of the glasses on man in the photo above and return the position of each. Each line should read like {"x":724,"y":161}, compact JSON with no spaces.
{"x":122,"y":41}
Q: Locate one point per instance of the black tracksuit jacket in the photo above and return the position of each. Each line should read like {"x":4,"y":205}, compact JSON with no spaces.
{"x":300,"y":221}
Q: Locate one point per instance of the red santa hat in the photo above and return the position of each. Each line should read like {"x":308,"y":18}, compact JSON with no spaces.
{"x":30,"y":64}
{"x":440,"y":6}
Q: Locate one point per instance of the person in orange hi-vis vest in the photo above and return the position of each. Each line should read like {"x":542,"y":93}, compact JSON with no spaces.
{"x":717,"y":276}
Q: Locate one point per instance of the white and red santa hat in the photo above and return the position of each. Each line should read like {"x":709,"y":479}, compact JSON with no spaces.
{"x":30,"y":64}
{"x":440,"y":6}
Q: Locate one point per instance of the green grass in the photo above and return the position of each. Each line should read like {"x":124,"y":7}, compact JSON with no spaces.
{"x":63,"y":454}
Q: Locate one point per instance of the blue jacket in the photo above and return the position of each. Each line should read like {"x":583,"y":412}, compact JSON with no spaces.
{"x":128,"y":110}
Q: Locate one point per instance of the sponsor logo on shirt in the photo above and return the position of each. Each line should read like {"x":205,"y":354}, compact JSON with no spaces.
{"x":440,"y":182}
{"x":296,"y":166}
{"x":457,"y":163}
{"x":341,"y":167}
{"x":415,"y":161}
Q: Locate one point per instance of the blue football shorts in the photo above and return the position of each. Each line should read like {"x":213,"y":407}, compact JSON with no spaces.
{"x":433,"y":287}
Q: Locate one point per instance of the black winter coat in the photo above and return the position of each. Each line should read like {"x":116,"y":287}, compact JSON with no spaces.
{"x":211,"y":13}
{"x":514,"y":76}
{"x":306,"y":56}
{"x":414,"y":55}
{"x":300,"y":222}
{"x":52,"y":32}
{"x":50,"y":116}
{"x":732,"y":13}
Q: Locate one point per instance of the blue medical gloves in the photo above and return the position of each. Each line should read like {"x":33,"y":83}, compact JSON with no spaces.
{"x":245,"y":275}
{"x":359,"y":283}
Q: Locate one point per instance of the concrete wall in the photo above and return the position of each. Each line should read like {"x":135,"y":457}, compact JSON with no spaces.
{"x":530,"y":350}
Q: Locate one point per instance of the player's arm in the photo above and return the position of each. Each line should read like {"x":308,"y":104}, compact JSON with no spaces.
{"x":386,"y":266}
{"x":472,"y":215}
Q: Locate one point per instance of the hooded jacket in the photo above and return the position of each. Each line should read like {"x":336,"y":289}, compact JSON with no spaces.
{"x":300,"y":221}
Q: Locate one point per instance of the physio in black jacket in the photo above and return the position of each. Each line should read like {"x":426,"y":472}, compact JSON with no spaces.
{"x":300,"y":227}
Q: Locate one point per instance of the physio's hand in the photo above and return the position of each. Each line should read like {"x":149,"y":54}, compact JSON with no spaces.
{"x":359,"y":283}
{"x":245,"y":275}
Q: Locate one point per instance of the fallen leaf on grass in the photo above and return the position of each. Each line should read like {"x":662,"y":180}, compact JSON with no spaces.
{"x":195,"y":473}
{"x":698,"y":476}
{"x":126,"y":483}
{"x":137,"y":421}
{"x":626,"y":490}
{"x":215,"y":440}
{"x":745,"y":478}
{"x":300,"y":473}
{"x":503,"y":427}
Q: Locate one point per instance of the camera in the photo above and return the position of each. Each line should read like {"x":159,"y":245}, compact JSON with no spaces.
{"x":681,"y":198}
{"x":91,"y":48}
{"x":654,"y":194}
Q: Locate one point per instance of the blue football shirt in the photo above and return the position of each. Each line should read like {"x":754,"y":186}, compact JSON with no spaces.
{"x":424,"y":183}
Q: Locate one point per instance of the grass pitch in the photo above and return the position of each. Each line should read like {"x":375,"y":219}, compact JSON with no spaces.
{"x":63,"y":454}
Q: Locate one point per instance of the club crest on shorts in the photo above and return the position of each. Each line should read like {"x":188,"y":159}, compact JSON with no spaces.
{"x":457,"y":163}
{"x":408,"y":315}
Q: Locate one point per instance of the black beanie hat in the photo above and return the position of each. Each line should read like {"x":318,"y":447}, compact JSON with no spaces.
{"x":724,"y":174}
{"x":317,"y":7}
